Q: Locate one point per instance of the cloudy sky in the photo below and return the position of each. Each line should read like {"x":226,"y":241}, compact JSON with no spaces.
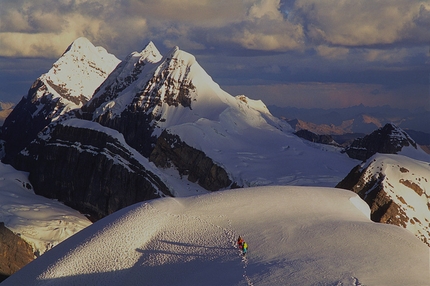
{"x":302,"y":53}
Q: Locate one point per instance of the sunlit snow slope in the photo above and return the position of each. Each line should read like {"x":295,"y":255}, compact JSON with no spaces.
{"x":76,"y":74}
{"x":296,"y":236}
{"x":40,"y":221}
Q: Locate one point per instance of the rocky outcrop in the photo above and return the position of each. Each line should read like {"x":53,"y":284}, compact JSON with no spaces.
{"x":15,"y":253}
{"x":382,"y":208}
{"x":387,"y":140}
{"x":394,"y":194}
{"x":88,"y":170}
{"x":170,"y":151}
{"x":310,"y":136}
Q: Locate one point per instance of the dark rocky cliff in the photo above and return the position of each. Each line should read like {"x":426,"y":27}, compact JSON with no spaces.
{"x":316,"y":138}
{"x":171,"y":150}
{"x":88,"y":170}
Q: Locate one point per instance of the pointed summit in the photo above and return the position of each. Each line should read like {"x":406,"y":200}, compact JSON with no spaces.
{"x":69,"y":84}
{"x":389,"y":139}
{"x":79,"y":71}
{"x":79,"y":44}
{"x":150,"y":53}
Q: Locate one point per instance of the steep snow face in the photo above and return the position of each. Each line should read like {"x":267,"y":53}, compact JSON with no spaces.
{"x":406,"y":182}
{"x":42,"y":222}
{"x":74,"y":77}
{"x":296,"y":236}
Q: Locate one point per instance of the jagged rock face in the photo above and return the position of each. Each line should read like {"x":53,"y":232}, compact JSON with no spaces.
{"x":171,"y":150}
{"x":15,"y":253}
{"x":88,"y":170}
{"x":396,"y":188}
{"x":310,"y":136}
{"x":388,"y":140}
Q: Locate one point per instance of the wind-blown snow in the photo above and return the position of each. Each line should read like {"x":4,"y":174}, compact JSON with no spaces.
{"x":296,"y":236}
{"x":40,"y":221}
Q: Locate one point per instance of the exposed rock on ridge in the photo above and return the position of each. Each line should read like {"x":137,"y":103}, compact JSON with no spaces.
{"x":310,"y":136}
{"x":171,"y":150}
{"x":395,"y":195}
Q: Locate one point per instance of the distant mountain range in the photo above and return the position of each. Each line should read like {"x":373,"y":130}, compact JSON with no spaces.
{"x":99,"y":135}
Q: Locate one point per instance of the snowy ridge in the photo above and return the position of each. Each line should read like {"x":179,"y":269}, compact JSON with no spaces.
{"x":296,"y":236}
{"x":406,"y":182}
{"x":40,"y":221}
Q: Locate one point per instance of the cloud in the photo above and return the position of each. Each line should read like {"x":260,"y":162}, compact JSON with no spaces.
{"x":363,"y":23}
{"x":332,"y":52}
{"x":330,"y":27}
{"x":46,"y":28}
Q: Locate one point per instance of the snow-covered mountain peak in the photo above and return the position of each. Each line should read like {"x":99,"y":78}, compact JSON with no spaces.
{"x":79,"y":71}
{"x":388,"y":139}
{"x":80,"y":46}
{"x":150,"y":53}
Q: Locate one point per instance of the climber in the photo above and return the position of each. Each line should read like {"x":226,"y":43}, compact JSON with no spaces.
{"x":240,"y":242}
{"x":244,"y":248}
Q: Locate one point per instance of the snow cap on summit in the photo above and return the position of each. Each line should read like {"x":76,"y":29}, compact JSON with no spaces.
{"x":150,"y":53}
{"x":79,"y":44}
{"x":80,"y":70}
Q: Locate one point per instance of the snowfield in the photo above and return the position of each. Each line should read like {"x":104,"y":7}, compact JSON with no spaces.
{"x":40,"y":221}
{"x":296,"y":236}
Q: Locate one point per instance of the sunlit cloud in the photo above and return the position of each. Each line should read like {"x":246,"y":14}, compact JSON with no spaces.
{"x":37,"y":31}
{"x":359,"y":23}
